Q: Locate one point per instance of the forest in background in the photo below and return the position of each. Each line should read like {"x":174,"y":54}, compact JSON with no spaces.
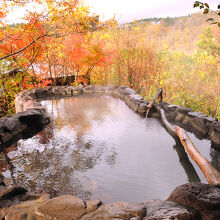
{"x":180,"y":55}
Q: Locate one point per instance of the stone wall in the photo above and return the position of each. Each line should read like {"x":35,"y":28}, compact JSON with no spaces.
{"x":21,"y":126}
{"x":31,"y":116}
{"x":201,"y":125}
{"x":13,"y":128}
{"x":192,"y":201}
{"x":31,"y":112}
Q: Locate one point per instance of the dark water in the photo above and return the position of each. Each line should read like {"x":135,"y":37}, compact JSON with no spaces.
{"x":97,"y":148}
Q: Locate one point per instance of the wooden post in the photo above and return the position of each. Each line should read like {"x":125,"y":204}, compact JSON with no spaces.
{"x":211,"y":174}
{"x":159,"y":93}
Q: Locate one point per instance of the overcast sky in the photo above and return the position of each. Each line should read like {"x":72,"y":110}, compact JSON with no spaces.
{"x":129,"y":10}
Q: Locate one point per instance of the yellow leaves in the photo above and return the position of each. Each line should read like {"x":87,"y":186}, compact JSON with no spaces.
{"x":60,"y":55}
{"x":202,"y":74}
{"x":203,"y":58}
{"x":166,"y":47}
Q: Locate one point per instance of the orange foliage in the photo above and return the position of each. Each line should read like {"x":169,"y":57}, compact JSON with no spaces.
{"x":54,"y":42}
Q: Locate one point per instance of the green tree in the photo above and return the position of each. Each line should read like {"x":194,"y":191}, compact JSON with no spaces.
{"x":208,"y":43}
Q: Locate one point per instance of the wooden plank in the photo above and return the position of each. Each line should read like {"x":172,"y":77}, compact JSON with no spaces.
{"x":159,"y":93}
{"x":211,"y":174}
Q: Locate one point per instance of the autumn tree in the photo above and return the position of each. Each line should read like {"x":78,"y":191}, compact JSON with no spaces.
{"x":208,"y":43}
{"x":206,"y":10}
{"x":45,"y":45}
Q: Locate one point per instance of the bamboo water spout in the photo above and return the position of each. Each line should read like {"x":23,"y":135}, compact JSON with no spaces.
{"x":211,"y":174}
{"x":159,"y":94}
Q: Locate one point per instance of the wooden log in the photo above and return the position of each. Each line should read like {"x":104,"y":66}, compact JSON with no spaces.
{"x":211,"y":174}
{"x":167,"y":124}
{"x":159,"y":94}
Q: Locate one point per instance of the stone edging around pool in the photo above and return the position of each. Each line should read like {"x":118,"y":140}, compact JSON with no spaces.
{"x":31,"y":116}
{"x":188,"y":201}
{"x":192,"y":201}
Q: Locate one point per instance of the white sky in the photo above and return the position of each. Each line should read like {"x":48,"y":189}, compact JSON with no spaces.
{"x":129,"y":10}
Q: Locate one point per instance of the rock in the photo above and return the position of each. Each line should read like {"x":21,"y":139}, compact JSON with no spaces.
{"x":5,"y":203}
{"x":27,"y":98}
{"x":201,"y":197}
{"x":123,"y":91}
{"x":99,"y":214}
{"x":99,"y":89}
{"x":69,"y":90}
{"x":63,"y":207}
{"x":128,"y":91}
{"x":9,"y":124}
{"x":179,"y":117}
{"x":118,"y":92}
{"x":78,"y":90}
{"x":88,"y":89}
{"x":42,"y":92}
{"x":10,"y":196}
{"x":10,"y":130}
{"x":195,"y":115}
{"x":59,"y":91}
{"x":30,"y":104}
{"x":133,"y":101}
{"x":164,"y":105}
{"x":92,"y":205}
{"x":209,"y":119}
{"x":109,"y":89}
{"x":7,"y":193}
{"x":24,"y":210}
{"x":32,"y":121}
{"x":186,"y":120}
{"x":74,"y":90}
{"x":214,"y":133}
{"x":171,"y":115}
{"x":3,"y":212}
{"x":167,"y":107}
{"x":2,"y":184}
{"x":199,"y":125}
{"x":142,"y":109}
{"x":18,"y":103}
{"x":183,"y":110}
{"x":123,"y":210}
{"x":157,"y":209}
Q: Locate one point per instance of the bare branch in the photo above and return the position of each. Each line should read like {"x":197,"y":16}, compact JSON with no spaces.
{"x":21,"y":50}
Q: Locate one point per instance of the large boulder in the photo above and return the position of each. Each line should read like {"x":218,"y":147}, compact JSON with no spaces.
{"x":201,"y":197}
{"x":62,"y":207}
{"x":25,"y":209}
{"x":157,"y":209}
{"x":123,"y":210}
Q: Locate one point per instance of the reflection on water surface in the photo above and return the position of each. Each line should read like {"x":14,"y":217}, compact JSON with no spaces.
{"x":97,"y":148}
